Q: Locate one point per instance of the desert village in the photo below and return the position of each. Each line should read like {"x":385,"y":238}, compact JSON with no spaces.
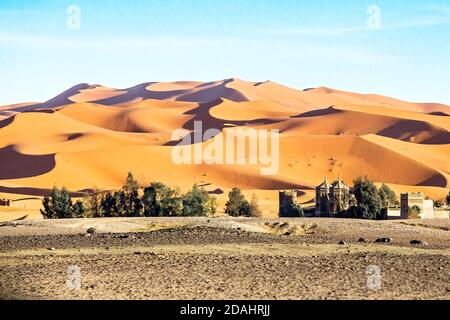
{"x":331,"y":199}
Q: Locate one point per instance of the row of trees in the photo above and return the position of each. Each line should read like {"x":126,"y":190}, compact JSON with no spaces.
{"x":158,"y":200}
{"x":367,"y":201}
{"x":370,"y":200}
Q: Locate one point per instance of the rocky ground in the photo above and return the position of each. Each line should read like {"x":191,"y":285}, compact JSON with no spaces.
{"x":224,"y":259}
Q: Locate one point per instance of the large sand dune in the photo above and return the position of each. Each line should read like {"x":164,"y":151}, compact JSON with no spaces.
{"x":92,"y":135}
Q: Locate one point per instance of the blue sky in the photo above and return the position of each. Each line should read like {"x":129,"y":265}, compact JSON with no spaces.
{"x":298,"y":43}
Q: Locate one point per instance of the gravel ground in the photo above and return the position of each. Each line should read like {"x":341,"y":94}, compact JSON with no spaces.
{"x":206,"y":261}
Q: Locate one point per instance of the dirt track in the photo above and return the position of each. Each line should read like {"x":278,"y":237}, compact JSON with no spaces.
{"x":205,"y":260}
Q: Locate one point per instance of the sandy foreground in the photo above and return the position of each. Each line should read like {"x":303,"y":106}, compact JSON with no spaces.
{"x":223,"y":258}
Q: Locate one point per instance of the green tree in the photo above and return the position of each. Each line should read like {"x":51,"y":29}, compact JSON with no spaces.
{"x":59,"y":205}
{"x":160,"y":200}
{"x":78,"y":210}
{"x":198,"y":202}
{"x":109,"y":206}
{"x":368,"y":199}
{"x":237,"y":205}
{"x":92,"y":202}
{"x":341,"y":202}
{"x":130,"y":204}
{"x":388,"y":196}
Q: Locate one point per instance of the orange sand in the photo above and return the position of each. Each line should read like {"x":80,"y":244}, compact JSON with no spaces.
{"x":92,"y":136}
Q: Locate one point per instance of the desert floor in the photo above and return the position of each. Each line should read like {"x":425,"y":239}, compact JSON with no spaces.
{"x":223,"y":258}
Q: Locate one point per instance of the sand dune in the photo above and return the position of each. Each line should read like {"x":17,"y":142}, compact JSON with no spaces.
{"x":92,"y":135}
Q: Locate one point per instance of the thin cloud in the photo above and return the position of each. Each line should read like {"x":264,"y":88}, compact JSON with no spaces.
{"x":129,"y":43}
{"x":316,"y":32}
{"x":341,"y":32}
{"x":445,"y":9}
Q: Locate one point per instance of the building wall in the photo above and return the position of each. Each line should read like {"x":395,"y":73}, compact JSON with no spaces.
{"x":441,"y":214}
{"x":408,"y":200}
{"x":286,"y":199}
{"x":427,"y":210}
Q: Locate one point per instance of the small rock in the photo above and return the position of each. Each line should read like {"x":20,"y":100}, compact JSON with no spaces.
{"x":418,"y":242}
{"x":361,"y":240}
{"x":51,"y":249}
{"x":91,"y":230}
{"x":341,"y":242}
{"x":288,"y":233}
{"x":384,"y":240}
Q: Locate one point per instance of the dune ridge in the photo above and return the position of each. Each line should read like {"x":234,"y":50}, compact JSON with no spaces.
{"x":91,"y":135}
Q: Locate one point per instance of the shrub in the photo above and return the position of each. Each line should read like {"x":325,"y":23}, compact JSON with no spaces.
{"x":388,"y":196}
{"x":254,"y":209}
{"x":160,"y":200}
{"x":414,"y":212}
{"x":293,"y":210}
{"x":448,"y":198}
{"x":368,"y":199}
{"x":237,"y":205}
{"x":198,"y":202}
{"x":438,"y":203}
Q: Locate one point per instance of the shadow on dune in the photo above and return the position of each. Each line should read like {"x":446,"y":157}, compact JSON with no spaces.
{"x":208,"y":92}
{"x":6,"y":122}
{"x":33,"y":192}
{"x":15,"y":165}
{"x":58,"y":101}
{"x":318,"y":113}
{"x":413,"y":128}
{"x":203,"y":115}
{"x":217,"y":191}
{"x":439,"y":113}
{"x":438,"y":180}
